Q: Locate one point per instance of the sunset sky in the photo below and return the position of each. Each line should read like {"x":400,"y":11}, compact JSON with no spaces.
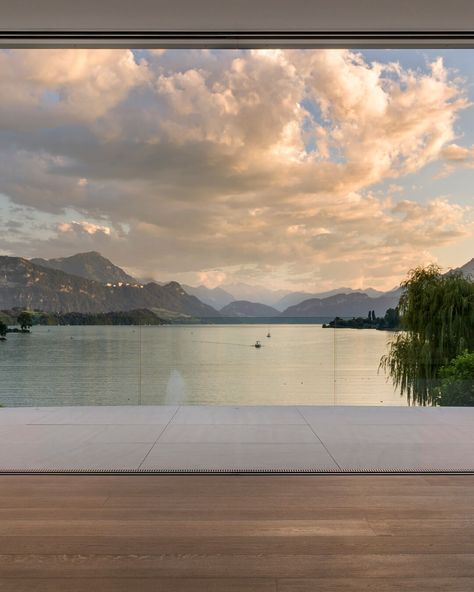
{"x":295,"y":169}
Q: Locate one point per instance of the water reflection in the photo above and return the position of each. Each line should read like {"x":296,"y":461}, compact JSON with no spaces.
{"x":176,"y":389}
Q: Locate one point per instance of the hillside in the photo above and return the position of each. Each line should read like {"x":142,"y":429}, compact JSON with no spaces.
{"x":345,"y":305}
{"x":294,"y":298}
{"x":244,"y":308}
{"x":91,"y":265}
{"x":24,"y":284}
{"x":468,"y":269}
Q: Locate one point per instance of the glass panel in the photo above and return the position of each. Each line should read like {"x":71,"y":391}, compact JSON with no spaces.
{"x":162,"y":213}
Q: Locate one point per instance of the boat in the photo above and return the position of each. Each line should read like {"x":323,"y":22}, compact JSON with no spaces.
{"x":257,"y":344}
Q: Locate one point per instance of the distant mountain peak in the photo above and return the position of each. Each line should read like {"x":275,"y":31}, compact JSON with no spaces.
{"x":86,"y":254}
{"x":215,"y":297}
{"x":468,"y":268}
{"x":90,"y":265}
{"x":245,"y":308}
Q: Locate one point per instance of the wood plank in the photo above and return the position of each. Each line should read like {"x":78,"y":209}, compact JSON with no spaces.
{"x":216,"y":485}
{"x":375,"y":515}
{"x":433,"y":526}
{"x":46,"y":501}
{"x":240,"y":545}
{"x":139,"y":584}
{"x":456,"y":512}
{"x":192,"y":528}
{"x":377,"y":585}
{"x":202,"y":565}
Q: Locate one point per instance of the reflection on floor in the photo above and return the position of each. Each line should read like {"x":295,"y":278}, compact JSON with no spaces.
{"x":265,"y":438}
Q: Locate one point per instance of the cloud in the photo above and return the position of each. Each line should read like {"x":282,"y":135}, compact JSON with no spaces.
{"x":455,"y":153}
{"x":212,"y":278}
{"x":51,"y":87}
{"x":259,"y":161}
{"x":455,"y":157}
{"x":83,"y":227}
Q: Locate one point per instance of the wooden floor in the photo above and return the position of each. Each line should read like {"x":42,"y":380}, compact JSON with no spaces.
{"x":233,"y":533}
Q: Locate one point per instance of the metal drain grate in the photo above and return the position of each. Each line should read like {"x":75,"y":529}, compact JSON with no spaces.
{"x":233,"y":471}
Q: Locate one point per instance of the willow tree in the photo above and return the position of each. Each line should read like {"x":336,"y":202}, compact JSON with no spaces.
{"x":437,"y":321}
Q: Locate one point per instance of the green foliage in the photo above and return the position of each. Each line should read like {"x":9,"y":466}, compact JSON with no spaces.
{"x":37,"y":317}
{"x":25,"y":320}
{"x":457,"y":381}
{"x":131,"y":317}
{"x":437,"y":319}
{"x":3,"y":329}
{"x":392,"y":318}
{"x":389,"y":321}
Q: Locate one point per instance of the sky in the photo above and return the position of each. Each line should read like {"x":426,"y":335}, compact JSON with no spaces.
{"x":294,"y":169}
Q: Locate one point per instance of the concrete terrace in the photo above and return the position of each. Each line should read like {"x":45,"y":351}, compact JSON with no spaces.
{"x":182,"y":438}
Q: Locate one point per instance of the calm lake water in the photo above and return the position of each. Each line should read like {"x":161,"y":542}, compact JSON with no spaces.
{"x":200,"y":364}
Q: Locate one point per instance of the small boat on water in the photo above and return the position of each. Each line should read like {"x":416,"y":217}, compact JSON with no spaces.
{"x":257,"y":344}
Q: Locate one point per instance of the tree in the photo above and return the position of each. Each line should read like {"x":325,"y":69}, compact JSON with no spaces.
{"x":3,"y":329}
{"x":392,"y":318}
{"x":25,"y":320}
{"x":437,"y":321}
{"x":457,"y":381}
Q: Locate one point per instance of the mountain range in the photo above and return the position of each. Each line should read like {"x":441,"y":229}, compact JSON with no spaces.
{"x":28,"y":285}
{"x":90,"y":283}
{"x":254,"y":293}
{"x":345,"y":305}
{"x":294,"y":298}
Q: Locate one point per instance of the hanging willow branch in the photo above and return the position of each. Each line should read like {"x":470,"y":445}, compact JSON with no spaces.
{"x":437,"y":319}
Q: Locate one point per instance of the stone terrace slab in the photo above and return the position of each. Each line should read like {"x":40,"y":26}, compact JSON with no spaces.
{"x":234,"y":439}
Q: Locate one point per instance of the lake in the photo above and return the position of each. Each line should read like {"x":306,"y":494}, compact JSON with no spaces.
{"x":195,"y":364}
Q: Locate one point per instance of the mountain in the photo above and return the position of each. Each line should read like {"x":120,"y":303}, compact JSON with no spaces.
{"x":372,"y":292}
{"x":241,"y":291}
{"x":244,"y":308}
{"x":294,"y":298}
{"x":215,"y":297}
{"x":24,"y":284}
{"x":91,"y":265}
{"x":468,"y":269}
{"x":172,"y":297}
{"x":343,"y":305}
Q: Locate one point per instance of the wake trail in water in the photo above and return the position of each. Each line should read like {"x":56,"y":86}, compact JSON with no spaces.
{"x":224,"y":343}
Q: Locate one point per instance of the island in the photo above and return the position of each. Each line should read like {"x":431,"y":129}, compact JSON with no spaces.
{"x":389,"y":322}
